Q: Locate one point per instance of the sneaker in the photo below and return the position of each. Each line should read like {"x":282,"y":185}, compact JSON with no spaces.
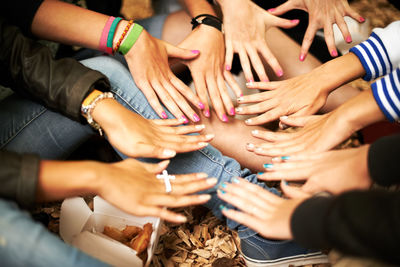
{"x":260,"y":252}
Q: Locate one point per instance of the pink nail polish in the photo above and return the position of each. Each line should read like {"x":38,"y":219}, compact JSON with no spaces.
{"x":250,"y":81}
{"x":195,"y":51}
{"x":228,"y":68}
{"x":196,"y":118}
{"x":348,"y":39}
{"x":302,"y":56}
{"x":361,"y":19}
{"x":207,"y":113}
{"x":185,"y":119}
{"x":279,"y":73}
{"x":164,"y":115}
{"x":271,"y":9}
{"x":241,"y":94}
{"x":201,"y":105}
{"x":224,"y":118}
{"x":232,"y":111}
{"x":265,"y":80}
{"x":294,"y":21}
{"x":334,"y":53}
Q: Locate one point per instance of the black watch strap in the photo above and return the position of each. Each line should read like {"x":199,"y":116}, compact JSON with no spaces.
{"x":207,"y":20}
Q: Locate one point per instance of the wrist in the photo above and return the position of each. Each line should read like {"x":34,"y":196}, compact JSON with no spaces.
{"x":105,"y":112}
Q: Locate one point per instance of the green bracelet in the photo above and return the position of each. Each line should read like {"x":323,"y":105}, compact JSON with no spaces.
{"x":130,"y":39}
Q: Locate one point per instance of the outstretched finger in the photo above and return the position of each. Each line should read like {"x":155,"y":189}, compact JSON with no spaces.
{"x":329,"y":39}
{"x":282,"y":9}
{"x":233,"y":84}
{"x":152,"y":151}
{"x":160,"y":212}
{"x":307,"y":40}
{"x":263,"y":85}
{"x":174,"y":201}
{"x":256,"y":61}
{"x":228,"y":55}
{"x":295,"y":121}
{"x":245,"y":62}
{"x":342,"y":25}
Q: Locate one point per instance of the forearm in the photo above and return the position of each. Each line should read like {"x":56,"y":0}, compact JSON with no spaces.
{"x":197,"y":7}
{"x":58,"y":180}
{"x":354,"y":222}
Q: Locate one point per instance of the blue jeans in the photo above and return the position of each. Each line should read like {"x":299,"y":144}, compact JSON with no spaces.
{"x":27,"y":127}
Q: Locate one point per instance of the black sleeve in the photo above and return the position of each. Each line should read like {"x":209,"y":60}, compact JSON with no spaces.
{"x":28,"y":68}
{"x":20,"y":13}
{"x":18,"y":177}
{"x":383,"y":159}
{"x":361,"y":223}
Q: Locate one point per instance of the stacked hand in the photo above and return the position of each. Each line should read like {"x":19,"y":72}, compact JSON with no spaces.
{"x":245,"y":26}
{"x":322,"y":14}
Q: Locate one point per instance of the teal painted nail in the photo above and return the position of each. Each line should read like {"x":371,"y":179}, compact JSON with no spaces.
{"x":285,"y":157}
{"x":224,"y":185}
{"x":284,"y":181}
{"x":222,"y":207}
{"x":235,"y":180}
{"x":221,"y":191}
{"x":260,"y":173}
{"x":268,"y":165}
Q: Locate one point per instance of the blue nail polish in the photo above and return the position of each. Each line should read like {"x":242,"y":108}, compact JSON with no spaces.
{"x":222,"y":207}
{"x":268,"y":165}
{"x":285,"y":157}
{"x":260,"y":173}
{"x":221,"y":191}
{"x":235,"y":180}
{"x":284,"y":181}
{"x":224,"y":185}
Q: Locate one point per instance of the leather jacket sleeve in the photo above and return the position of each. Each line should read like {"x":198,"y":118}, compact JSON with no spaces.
{"x":28,"y":68}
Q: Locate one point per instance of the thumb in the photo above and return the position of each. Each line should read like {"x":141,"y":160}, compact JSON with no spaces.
{"x":284,"y":23}
{"x":282,"y":9}
{"x":177,"y":52}
{"x":292,"y":191}
{"x":153,"y":151}
{"x":294,"y":121}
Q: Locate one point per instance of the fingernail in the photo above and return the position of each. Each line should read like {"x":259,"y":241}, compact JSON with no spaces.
{"x":205,"y":197}
{"x":211,"y":181}
{"x":250,"y":145}
{"x":201,"y":175}
{"x":240,"y":99}
{"x":195,"y":51}
{"x":241,"y":94}
{"x":164,"y":115}
{"x":185,"y":120}
{"x":260,"y":173}
{"x":266,"y":80}
{"x":221,"y":191}
{"x":169,"y":153}
{"x":283,"y":117}
{"x":302,"y":57}
{"x":239,"y":109}
{"x":201,"y":105}
{"x":207,"y":113}
{"x":276,"y":159}
{"x":224,"y":118}
{"x":250,"y":81}
{"x":232,"y":111}
{"x":279,"y":73}
{"x":181,"y":218}
{"x":200,"y":126}
{"x":271,"y":9}
{"x":196,"y":118}
{"x":235,"y":180}
{"x":203,"y":144}
{"x":210,"y":136}
{"x":222,"y":207}
{"x":228,"y":68}
{"x":259,"y":149}
{"x":248,"y":121}
{"x":285,"y":157}
{"x":294,"y":21}
{"x":361,"y":19}
{"x":223,"y":185}
{"x":334,"y":53}
{"x":348,"y":39}
{"x":268,"y":165}
{"x":284,"y":182}
{"x":255,"y":132}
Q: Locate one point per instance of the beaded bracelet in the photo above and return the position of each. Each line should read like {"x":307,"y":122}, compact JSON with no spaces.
{"x":130,"y":39}
{"x":111,"y":33}
{"x":128,"y":26}
{"x":104,"y":34}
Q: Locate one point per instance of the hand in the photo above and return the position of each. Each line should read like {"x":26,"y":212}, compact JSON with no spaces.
{"x":133,"y":187}
{"x":207,"y":70}
{"x":148,"y":63}
{"x":245,"y":26}
{"x":333,"y":171}
{"x":322,"y":14}
{"x":264,"y":212}
{"x":307,"y":89}
{"x":318,"y":133}
{"x":136,"y":136}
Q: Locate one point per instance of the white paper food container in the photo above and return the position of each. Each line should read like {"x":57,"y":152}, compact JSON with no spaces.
{"x":82,"y":228}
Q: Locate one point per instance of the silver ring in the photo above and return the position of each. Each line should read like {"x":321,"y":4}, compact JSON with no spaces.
{"x":167,"y":180}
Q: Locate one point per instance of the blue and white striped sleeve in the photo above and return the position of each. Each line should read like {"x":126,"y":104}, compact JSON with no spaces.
{"x":380,"y":54}
{"x":386,"y":92}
